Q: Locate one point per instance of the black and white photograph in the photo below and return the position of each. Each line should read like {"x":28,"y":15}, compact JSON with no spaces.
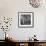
{"x":25,"y":19}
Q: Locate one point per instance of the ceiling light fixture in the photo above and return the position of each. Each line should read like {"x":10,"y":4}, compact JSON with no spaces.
{"x":36,"y":3}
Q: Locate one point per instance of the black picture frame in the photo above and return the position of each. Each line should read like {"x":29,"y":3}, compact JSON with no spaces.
{"x":25,"y":19}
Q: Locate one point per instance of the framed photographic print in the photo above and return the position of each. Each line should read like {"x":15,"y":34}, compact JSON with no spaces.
{"x":26,"y":19}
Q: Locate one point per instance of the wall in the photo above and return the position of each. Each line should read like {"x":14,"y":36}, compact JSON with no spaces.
{"x":10,"y":8}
